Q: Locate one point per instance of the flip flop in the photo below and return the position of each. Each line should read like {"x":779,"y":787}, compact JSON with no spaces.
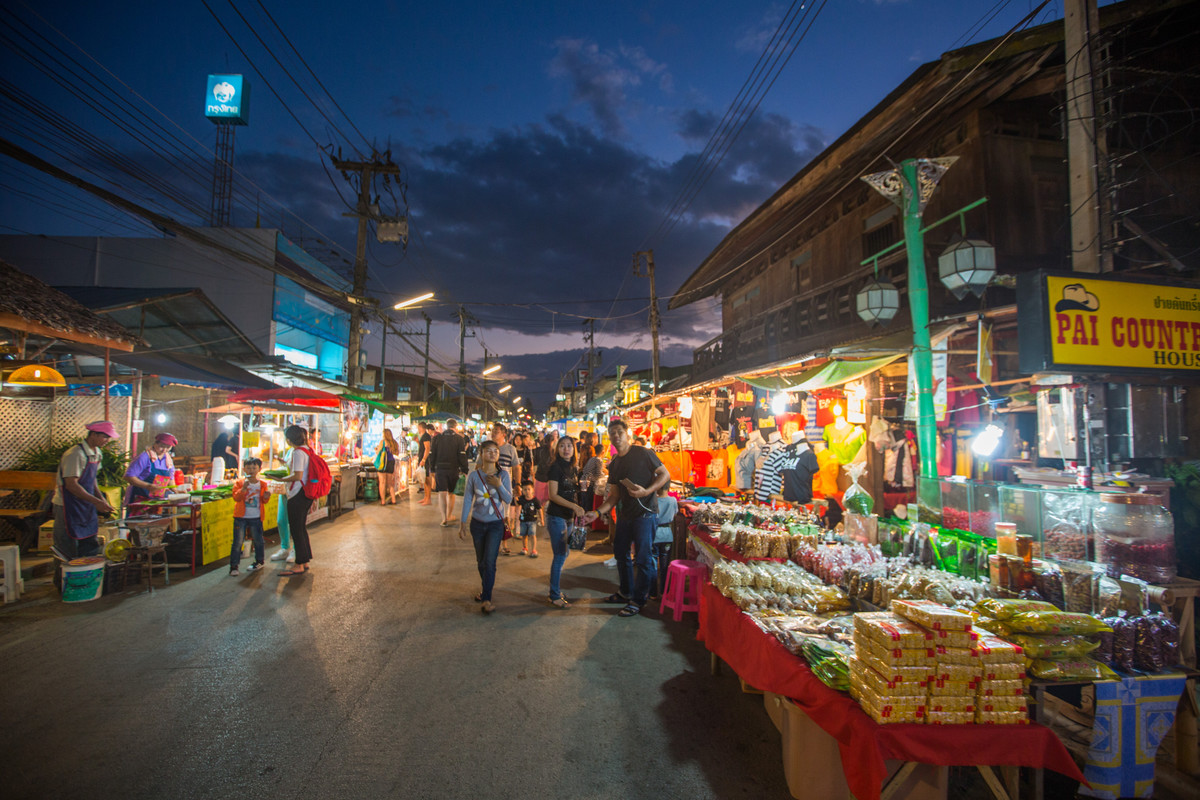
{"x":616,"y":597}
{"x":287,"y":573}
{"x":630,"y":610}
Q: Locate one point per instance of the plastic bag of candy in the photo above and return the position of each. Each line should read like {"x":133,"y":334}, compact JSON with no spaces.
{"x":1079,"y":669}
{"x":1055,"y":646}
{"x":1124,"y":643}
{"x":1055,"y":622}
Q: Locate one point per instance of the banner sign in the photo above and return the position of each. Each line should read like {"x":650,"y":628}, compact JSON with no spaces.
{"x":227,"y":100}
{"x":1084,"y":323}
{"x":216,"y":520}
{"x":940,"y":394}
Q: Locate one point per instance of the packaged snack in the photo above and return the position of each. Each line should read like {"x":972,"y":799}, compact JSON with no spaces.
{"x":994,"y":650}
{"x":1124,"y":643}
{"x":1104,"y":644}
{"x":865,"y":676}
{"x":1135,"y":596}
{"x":945,"y":703}
{"x":890,"y":630}
{"x":1053,"y":646}
{"x":959,"y":672}
{"x":1004,"y":671}
{"x":892,"y":716}
{"x":1047,"y":579}
{"x":1056,"y":622}
{"x":932,"y":615}
{"x":1002,"y":609}
{"x":886,"y":658}
{"x":949,"y":717}
{"x":1081,"y":586}
{"x":1169,"y":631}
{"x":940,"y":687}
{"x":1001,"y":717}
{"x":992,"y":688}
{"x":955,"y":638}
{"x":895,"y":675}
{"x":1083,"y":669}
{"x":886,"y":702}
{"x":856,"y":498}
{"x":957,"y":655}
{"x":1148,"y":636}
{"x":1003,"y":703}
{"x":993,"y":626}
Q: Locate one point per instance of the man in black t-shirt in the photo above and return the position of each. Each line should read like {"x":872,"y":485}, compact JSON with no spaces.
{"x":424,"y":443}
{"x":634,"y":477}
{"x":448,"y":454}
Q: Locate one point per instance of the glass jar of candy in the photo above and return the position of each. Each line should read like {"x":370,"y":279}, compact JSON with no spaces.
{"x":1135,"y":535}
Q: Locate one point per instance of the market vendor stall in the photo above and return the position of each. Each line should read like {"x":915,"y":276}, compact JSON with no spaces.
{"x":865,"y":745}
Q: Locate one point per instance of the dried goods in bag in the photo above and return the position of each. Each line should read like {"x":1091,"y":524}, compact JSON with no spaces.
{"x":1055,"y":622}
{"x":1055,"y":646}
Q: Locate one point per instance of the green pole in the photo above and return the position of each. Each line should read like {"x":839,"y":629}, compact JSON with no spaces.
{"x":918,"y":306}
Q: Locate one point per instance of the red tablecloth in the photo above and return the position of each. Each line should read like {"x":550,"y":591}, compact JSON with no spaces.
{"x":766,"y":664}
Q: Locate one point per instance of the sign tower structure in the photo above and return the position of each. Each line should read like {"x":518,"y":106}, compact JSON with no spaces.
{"x":226,"y":105}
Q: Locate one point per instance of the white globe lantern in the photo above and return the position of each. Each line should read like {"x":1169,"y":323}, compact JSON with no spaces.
{"x":968,"y":265}
{"x":878,"y":302}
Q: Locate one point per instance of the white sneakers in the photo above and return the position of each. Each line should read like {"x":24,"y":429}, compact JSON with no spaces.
{"x":280,"y":555}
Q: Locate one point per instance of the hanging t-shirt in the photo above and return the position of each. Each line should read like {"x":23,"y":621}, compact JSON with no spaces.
{"x":796,"y":467}
{"x":701,"y":420}
{"x":721,"y":406}
{"x":845,"y":441}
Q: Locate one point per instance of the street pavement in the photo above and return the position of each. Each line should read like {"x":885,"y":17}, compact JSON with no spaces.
{"x":374,"y":676}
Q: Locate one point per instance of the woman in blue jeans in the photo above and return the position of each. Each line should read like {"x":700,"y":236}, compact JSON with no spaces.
{"x":562,"y":481}
{"x":487,"y":493}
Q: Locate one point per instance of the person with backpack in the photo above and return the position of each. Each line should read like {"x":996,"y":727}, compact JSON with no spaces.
{"x":309,"y":480}
{"x":385,"y":466}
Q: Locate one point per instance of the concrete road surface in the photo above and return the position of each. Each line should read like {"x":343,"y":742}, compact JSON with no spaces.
{"x":374,"y":676}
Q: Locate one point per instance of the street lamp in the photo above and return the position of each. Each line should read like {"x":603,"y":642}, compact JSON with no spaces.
{"x":413,"y":300}
{"x":491,"y":369}
{"x":516,"y":399}
{"x":967,"y":265}
{"x":504,"y":388}
{"x":878,"y":302}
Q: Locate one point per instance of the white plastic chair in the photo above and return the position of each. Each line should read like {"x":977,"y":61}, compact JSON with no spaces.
{"x":10,"y":554}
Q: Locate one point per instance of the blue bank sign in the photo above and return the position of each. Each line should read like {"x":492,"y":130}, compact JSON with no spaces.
{"x":228,"y":100}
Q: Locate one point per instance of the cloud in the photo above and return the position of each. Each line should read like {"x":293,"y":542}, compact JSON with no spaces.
{"x":602,"y":79}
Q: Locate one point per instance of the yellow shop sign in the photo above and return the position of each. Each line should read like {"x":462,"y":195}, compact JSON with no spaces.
{"x":1082,"y":322}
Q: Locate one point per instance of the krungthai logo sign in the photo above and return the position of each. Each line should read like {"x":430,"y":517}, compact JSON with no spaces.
{"x":227,"y":101}
{"x":1092,"y":324}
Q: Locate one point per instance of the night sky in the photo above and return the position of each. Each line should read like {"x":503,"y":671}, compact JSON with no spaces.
{"x":542,"y":143}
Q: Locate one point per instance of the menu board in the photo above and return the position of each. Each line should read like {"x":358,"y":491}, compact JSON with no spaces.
{"x":216,"y":520}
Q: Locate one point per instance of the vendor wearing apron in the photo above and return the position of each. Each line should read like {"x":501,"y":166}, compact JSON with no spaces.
{"x":77,"y":501}
{"x":150,"y":468}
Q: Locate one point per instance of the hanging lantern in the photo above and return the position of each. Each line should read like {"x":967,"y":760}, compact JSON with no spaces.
{"x":968,"y":265}
{"x":878,"y":302}
{"x":36,"y":375}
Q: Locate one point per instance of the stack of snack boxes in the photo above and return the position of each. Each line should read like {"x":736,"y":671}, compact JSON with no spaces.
{"x":893,"y":663}
{"x":977,"y":677}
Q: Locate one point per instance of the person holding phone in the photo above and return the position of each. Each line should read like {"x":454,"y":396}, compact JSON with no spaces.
{"x":635,"y":475}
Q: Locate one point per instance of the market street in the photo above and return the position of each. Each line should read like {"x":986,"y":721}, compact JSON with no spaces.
{"x":376,"y":676}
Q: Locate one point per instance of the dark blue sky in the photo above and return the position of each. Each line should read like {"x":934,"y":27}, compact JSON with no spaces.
{"x":542,"y":141}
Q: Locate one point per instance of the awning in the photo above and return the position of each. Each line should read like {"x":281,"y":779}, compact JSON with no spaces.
{"x":834,"y":372}
{"x":258,"y":408}
{"x":191,"y":370}
{"x":384,"y":407}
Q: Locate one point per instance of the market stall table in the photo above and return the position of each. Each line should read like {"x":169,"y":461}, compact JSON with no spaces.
{"x":760,"y":660}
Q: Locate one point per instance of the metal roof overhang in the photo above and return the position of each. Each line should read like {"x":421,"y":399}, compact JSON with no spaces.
{"x":181,"y":320}
{"x":191,"y":370}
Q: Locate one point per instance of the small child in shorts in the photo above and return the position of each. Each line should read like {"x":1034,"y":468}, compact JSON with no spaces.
{"x":250,"y":497}
{"x":532,"y":515}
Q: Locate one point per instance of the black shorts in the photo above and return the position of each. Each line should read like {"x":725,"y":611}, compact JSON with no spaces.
{"x":444,"y":480}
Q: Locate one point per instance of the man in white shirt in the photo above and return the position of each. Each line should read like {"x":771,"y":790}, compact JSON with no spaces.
{"x":78,"y":501}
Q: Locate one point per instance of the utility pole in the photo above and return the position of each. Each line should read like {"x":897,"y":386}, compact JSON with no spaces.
{"x":462,"y":363}
{"x":425,"y":386}
{"x":590,"y":324}
{"x":648,"y":255}
{"x":380,"y":164}
{"x":1085,"y":141}
{"x":484,"y":390}
{"x":383,"y":357}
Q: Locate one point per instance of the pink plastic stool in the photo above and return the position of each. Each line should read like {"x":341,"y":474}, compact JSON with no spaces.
{"x":682,"y":590}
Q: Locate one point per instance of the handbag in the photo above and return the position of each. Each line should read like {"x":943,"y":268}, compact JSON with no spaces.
{"x":576,"y":537}
{"x":507,"y":533}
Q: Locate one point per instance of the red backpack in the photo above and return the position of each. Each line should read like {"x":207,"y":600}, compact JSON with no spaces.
{"x":318,"y":482}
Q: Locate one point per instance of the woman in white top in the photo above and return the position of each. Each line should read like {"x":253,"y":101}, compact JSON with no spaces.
{"x":298,"y":502}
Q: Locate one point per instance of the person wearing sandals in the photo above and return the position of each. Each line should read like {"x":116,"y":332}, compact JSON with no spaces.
{"x":487,"y":491}
{"x":635,"y":475}
{"x":562,"y":480}
{"x":298,"y":503}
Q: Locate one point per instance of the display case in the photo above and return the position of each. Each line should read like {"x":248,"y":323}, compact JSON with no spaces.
{"x":956,"y":503}
{"x":984,"y":508}
{"x":1022,"y":506}
{"x":1066,"y":524}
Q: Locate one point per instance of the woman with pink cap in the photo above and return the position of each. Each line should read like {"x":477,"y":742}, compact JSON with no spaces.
{"x":152,"y":471}
{"x":78,"y":503}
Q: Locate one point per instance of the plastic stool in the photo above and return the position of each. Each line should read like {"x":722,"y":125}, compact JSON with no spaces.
{"x":682,"y":590}
{"x":13,"y":584}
